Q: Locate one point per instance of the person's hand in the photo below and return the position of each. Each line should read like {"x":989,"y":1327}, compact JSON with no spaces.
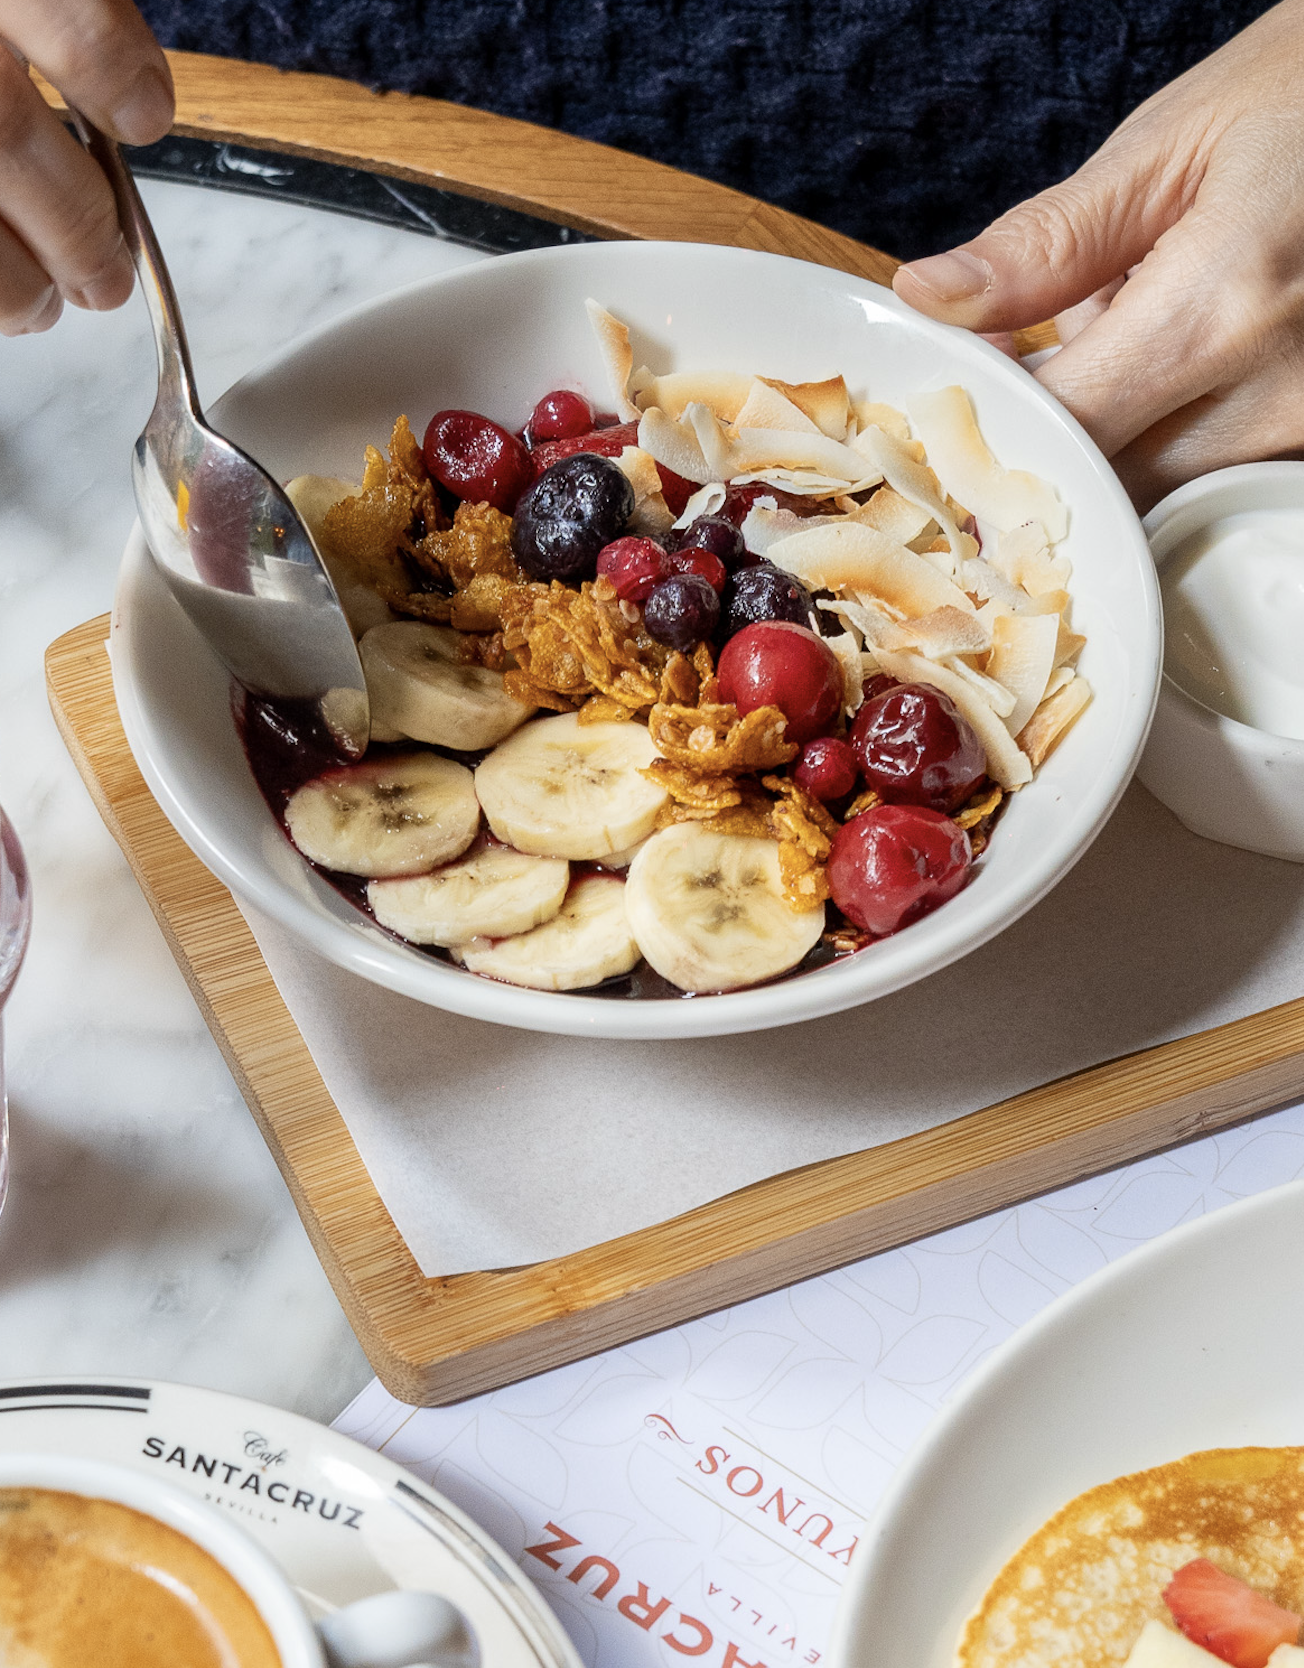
{"x":1173,"y":263}
{"x":59,"y":237}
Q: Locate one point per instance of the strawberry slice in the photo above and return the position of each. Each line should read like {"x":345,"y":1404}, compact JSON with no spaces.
{"x":610,"y":442}
{"x":1225,"y":1616}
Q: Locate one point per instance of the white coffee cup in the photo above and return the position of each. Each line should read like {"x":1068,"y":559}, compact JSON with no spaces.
{"x":387,"y":1630}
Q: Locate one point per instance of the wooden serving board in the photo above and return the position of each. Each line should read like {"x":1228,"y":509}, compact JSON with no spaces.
{"x":435,"y":1340}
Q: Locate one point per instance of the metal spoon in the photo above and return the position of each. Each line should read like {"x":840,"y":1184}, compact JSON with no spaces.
{"x":225,"y":536}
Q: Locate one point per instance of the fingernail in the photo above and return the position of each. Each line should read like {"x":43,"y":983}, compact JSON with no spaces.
{"x":146,"y":113}
{"x":44,"y":313}
{"x":955,"y":276}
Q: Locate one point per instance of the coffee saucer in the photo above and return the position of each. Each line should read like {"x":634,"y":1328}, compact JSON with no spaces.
{"x":341,"y":1521}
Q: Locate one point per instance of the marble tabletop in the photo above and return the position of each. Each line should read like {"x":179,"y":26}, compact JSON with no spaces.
{"x":147,"y":1230}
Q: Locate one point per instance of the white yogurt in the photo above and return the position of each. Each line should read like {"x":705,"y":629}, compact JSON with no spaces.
{"x":1234,"y":618}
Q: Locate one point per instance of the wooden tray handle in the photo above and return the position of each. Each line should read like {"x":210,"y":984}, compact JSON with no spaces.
{"x":571,"y":182}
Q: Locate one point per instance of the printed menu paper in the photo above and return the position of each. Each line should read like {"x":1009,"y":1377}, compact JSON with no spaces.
{"x":698,"y":1496}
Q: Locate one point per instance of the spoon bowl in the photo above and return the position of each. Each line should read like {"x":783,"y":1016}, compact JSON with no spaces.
{"x":223,"y":533}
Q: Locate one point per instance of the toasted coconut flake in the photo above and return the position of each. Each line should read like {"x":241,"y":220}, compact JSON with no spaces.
{"x":723,"y":392}
{"x":613,"y":343}
{"x":713,"y":440}
{"x":872,"y":413}
{"x":827,"y":404}
{"x":1056,"y":681}
{"x":1005,"y":763}
{"x":651,"y":512}
{"x":892,"y":513}
{"x":766,"y":408}
{"x":1023,"y":556}
{"x":1023,"y":653}
{"x":790,"y":449}
{"x":997,"y":697}
{"x":674,"y":445}
{"x":964,"y":465}
{"x":846,"y":647}
{"x":801,"y":483}
{"x":857,"y":558}
{"x":913,"y":480}
{"x":1068,"y":645}
{"x":1053,"y":718}
{"x":706,"y":500}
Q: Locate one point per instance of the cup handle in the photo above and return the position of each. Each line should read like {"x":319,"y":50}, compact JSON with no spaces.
{"x":399,"y":1629}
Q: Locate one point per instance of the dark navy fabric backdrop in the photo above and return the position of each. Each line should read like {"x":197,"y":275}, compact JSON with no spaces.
{"x":908,"y":123}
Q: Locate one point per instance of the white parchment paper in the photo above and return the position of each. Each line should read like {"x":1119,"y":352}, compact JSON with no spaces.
{"x":492,"y":1146}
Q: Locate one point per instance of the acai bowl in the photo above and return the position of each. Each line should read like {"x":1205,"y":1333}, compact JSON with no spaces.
{"x":493,"y":340}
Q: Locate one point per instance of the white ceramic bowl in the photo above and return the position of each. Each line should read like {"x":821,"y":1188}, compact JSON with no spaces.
{"x":495,"y":337}
{"x":1224,"y":779}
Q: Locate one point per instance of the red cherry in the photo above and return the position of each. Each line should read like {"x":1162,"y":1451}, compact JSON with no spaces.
{"x":917,"y":748}
{"x":827,"y":768}
{"x":675,"y":490}
{"x":702,"y":562}
{"x":774,"y":663}
{"x":634,"y":566}
{"x":891,"y":865}
{"x":476,"y":459}
{"x":560,"y":415}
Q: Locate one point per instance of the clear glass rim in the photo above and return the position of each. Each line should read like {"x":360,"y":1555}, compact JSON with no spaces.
{"x":15,"y":905}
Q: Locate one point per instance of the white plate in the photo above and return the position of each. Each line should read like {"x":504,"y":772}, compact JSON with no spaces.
{"x":342,"y":1522}
{"x":1191,"y":1342}
{"x":495,"y":337}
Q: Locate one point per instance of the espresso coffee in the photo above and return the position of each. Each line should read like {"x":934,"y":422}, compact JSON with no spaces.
{"x":86,"y":1581}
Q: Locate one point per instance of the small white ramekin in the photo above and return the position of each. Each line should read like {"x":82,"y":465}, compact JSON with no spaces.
{"x":1224,"y":779}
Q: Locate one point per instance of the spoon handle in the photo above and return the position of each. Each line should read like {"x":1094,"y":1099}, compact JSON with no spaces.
{"x":176,"y":376}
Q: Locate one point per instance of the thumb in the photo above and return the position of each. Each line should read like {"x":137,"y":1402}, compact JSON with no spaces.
{"x":1051,"y":252}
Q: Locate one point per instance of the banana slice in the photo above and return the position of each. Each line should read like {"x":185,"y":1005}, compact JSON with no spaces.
{"x":313,"y":496}
{"x":490,"y":894}
{"x":587,"y":941}
{"x":560,"y":788}
{"x":420,"y":688}
{"x":708,"y":910}
{"x":397,"y":816}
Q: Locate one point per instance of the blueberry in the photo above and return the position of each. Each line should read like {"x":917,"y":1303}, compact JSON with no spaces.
{"x":764,"y":592}
{"x":682,"y":611}
{"x":720,"y":537}
{"x":578,"y":505}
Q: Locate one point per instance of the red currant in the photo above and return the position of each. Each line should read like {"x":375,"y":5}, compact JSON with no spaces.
{"x":635,"y":567}
{"x":917,"y":748}
{"x":477,"y":460}
{"x":827,"y":768}
{"x":894,"y":864}
{"x":777,"y":664}
{"x":560,"y":415}
{"x":692,"y":560}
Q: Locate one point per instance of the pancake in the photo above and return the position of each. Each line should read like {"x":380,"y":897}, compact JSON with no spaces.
{"x":1080,"y":1590}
